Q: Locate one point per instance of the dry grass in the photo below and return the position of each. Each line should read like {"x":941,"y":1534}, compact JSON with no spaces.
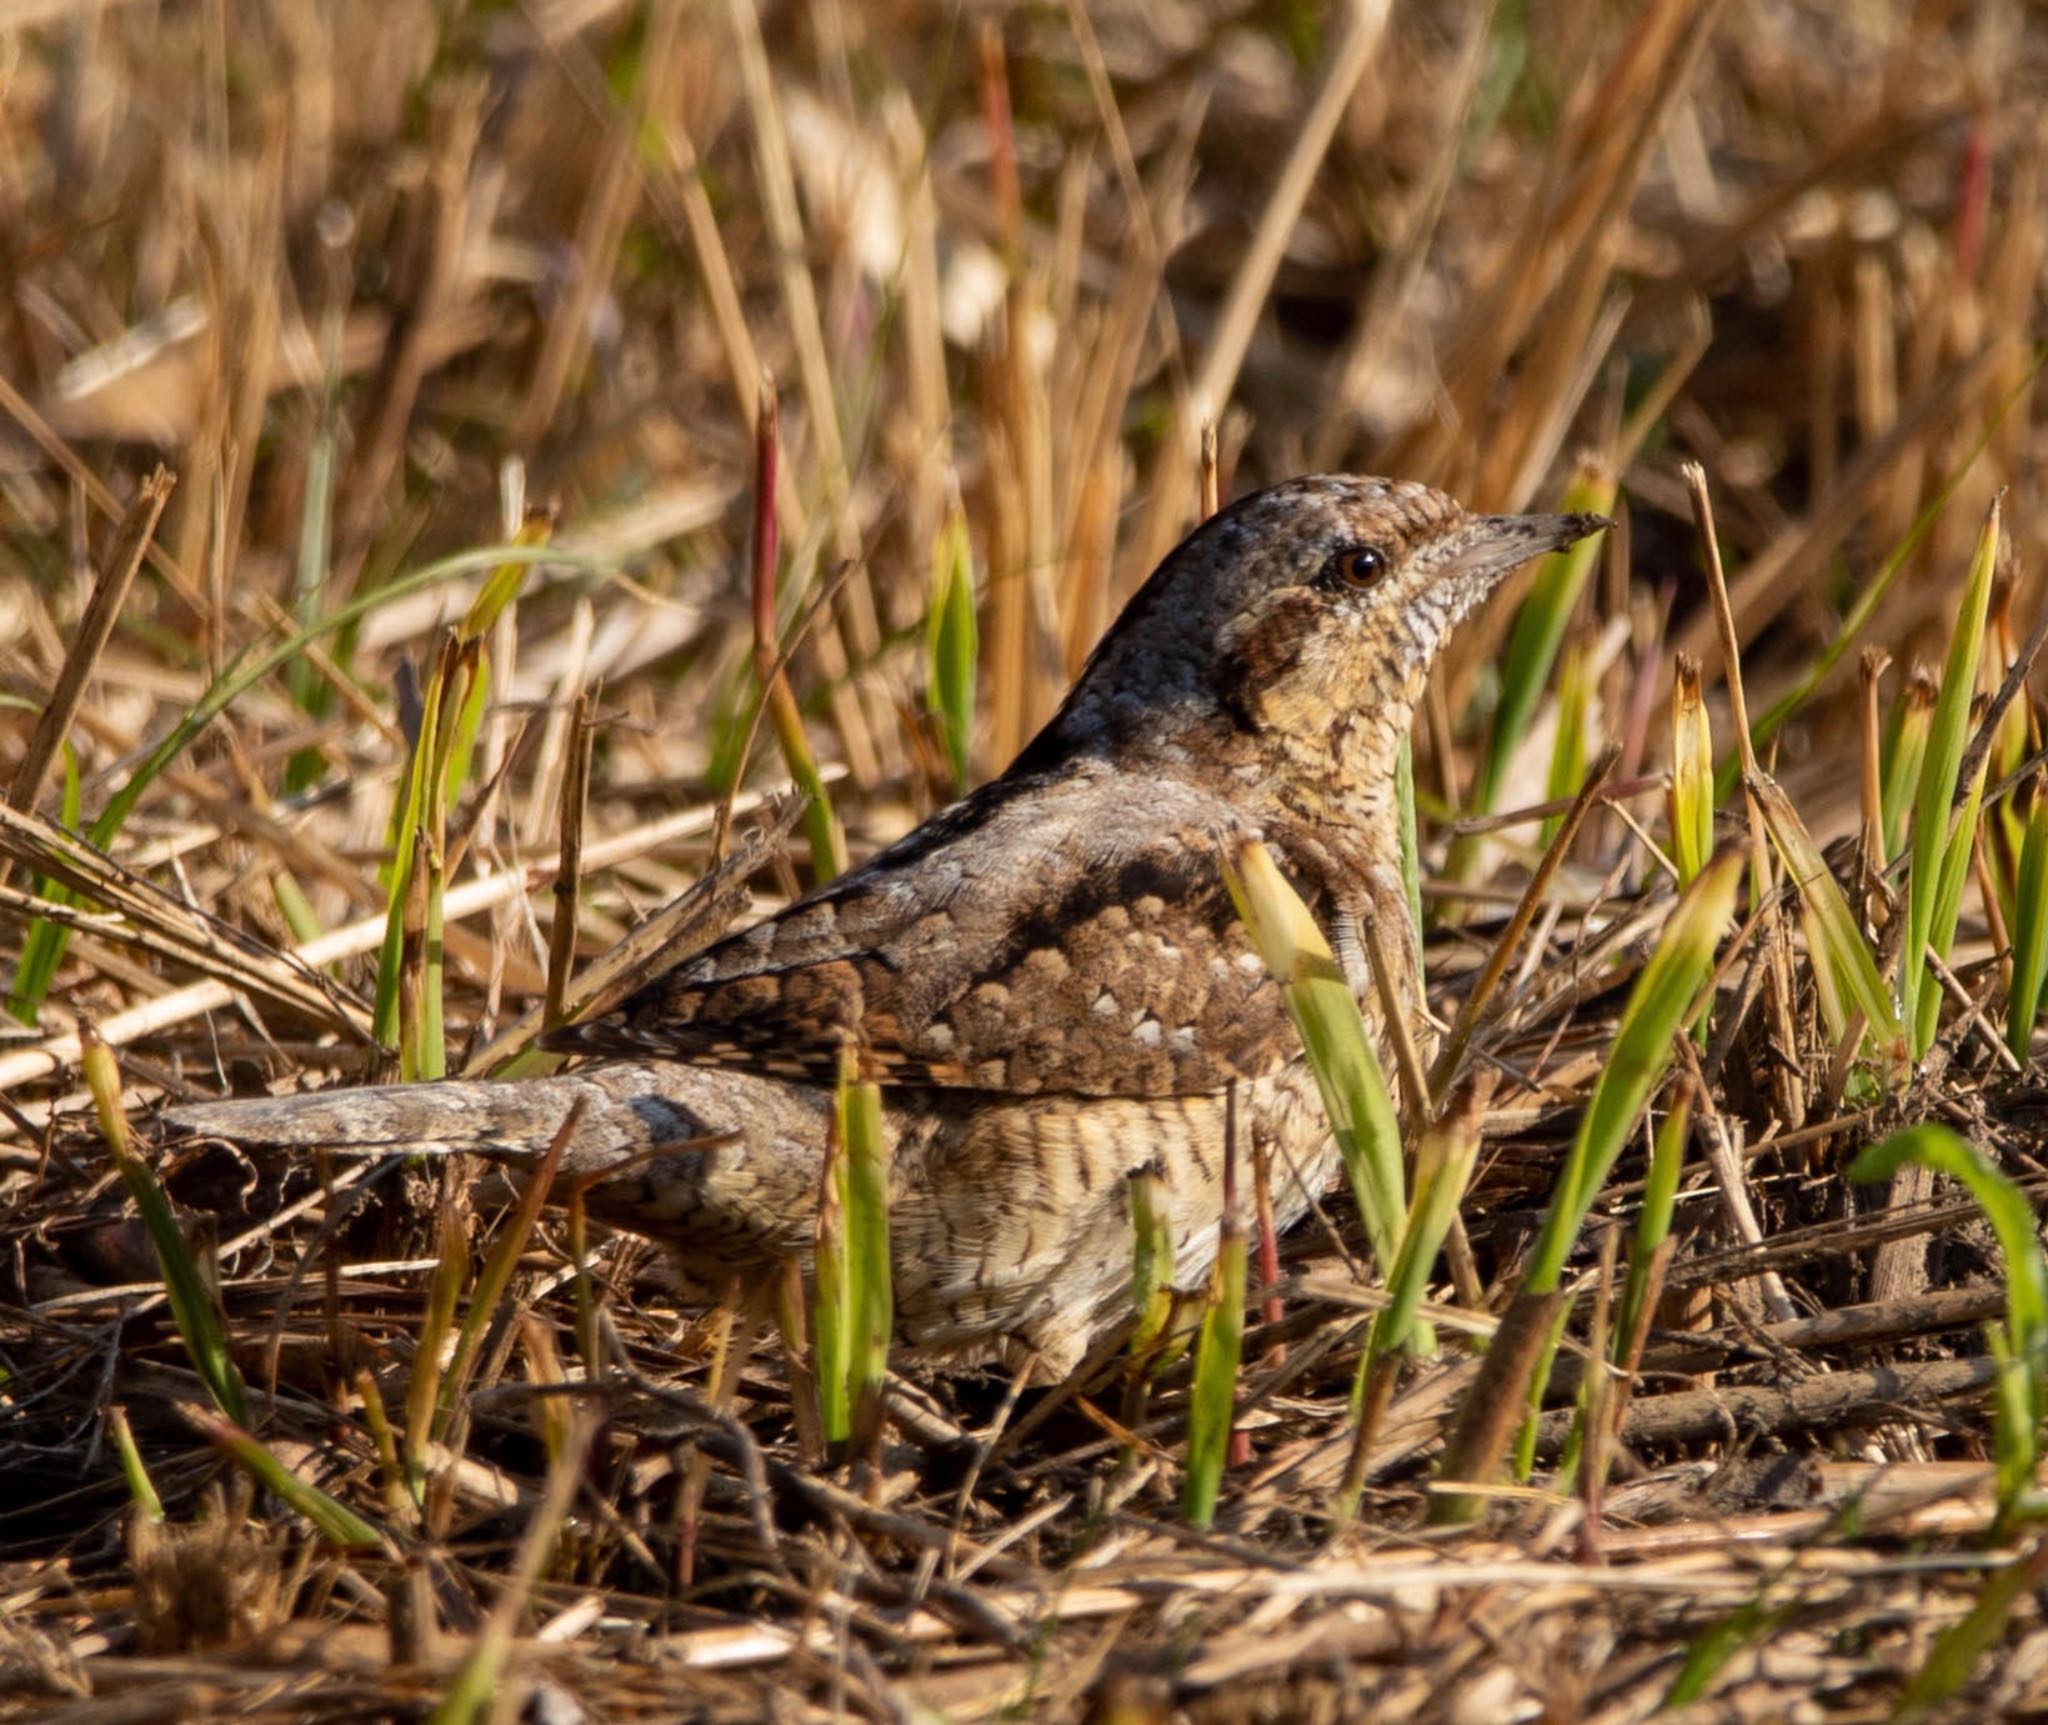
{"x":355,"y":271}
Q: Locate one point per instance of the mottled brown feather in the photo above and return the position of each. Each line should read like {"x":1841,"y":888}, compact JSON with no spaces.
{"x":1029,"y":941}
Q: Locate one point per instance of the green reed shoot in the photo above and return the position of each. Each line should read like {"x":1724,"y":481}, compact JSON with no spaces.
{"x":1956,"y":869}
{"x":952,"y":644}
{"x":192,"y":1289}
{"x":832,"y":1292}
{"x":496,"y":1275}
{"x":2020,"y":1345}
{"x":333,"y":1519}
{"x":853,"y":1305}
{"x":1959,"y":1649}
{"x":1152,"y":1259}
{"x":864,"y":1200}
{"x":1445,"y":1153}
{"x":2029,"y":926}
{"x":1905,"y":750}
{"x":1692,"y":773}
{"x":1845,"y":970}
{"x":408,"y":999}
{"x":1941,"y":859}
{"x":1212,"y":1399}
{"x":2010,"y":745}
{"x":1653,"y":1224}
{"x":1658,"y":1004}
{"x":134,"y":1472}
{"x":1348,"y":1074}
{"x":423,"y":1389}
{"x":1568,"y":749}
{"x":1411,"y":843}
{"x":193,"y":1292}
{"x":1657,"y":1007}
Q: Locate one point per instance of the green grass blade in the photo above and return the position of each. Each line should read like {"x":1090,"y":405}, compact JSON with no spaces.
{"x":496,"y":1274}
{"x":336,"y":1522}
{"x":1938,"y":773}
{"x":2030,"y":930}
{"x":1152,"y":1256}
{"x":2006,"y":1208}
{"x":430,"y":1043}
{"x":1411,"y":843}
{"x":1653,"y":1222}
{"x":1905,"y":748}
{"x":1960,"y":1647}
{"x":1692,"y":773}
{"x":1657,"y":1006}
{"x":194,"y":1296}
{"x":2023,"y":1378}
{"x":1948,"y":902}
{"x":423,"y":1388}
{"x":1844,"y":959}
{"x":952,"y":644}
{"x":1347,"y":1070}
{"x":870,"y":1301}
{"x":142,"y":1490}
{"x":1444,"y":1158}
{"x":1568,"y":751}
{"x":1212,"y":1401}
{"x":832,"y":1309}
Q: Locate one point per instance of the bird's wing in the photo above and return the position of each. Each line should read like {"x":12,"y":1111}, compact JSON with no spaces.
{"x":1040,"y":938}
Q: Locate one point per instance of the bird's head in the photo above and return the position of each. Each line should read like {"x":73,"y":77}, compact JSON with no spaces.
{"x":1299,"y":623}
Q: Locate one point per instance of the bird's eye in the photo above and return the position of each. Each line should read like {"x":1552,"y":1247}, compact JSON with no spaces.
{"x":1359,"y":567}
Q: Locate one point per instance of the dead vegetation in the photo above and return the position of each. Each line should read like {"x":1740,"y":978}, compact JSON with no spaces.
{"x":367,"y":277}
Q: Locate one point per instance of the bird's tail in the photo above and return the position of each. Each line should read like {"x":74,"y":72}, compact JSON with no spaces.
{"x":690,"y":1156}
{"x":510,"y":1121}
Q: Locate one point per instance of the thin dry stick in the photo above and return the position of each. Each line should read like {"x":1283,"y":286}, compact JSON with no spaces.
{"x":1525,"y":913}
{"x":1394,"y":1013}
{"x":1874,"y":661}
{"x":23,"y":412}
{"x":1972,"y":1020}
{"x":95,"y":628}
{"x":721,"y":832}
{"x":1732,"y":1182}
{"x":569,"y":868}
{"x":1274,"y":1306}
{"x":1599,"y":1394}
{"x":1791,"y":1092}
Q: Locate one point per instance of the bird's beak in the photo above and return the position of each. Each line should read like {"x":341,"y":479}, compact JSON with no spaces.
{"x":1489,"y":546}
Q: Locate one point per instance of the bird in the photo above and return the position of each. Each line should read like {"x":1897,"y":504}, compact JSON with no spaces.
{"x":1047,"y":979}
